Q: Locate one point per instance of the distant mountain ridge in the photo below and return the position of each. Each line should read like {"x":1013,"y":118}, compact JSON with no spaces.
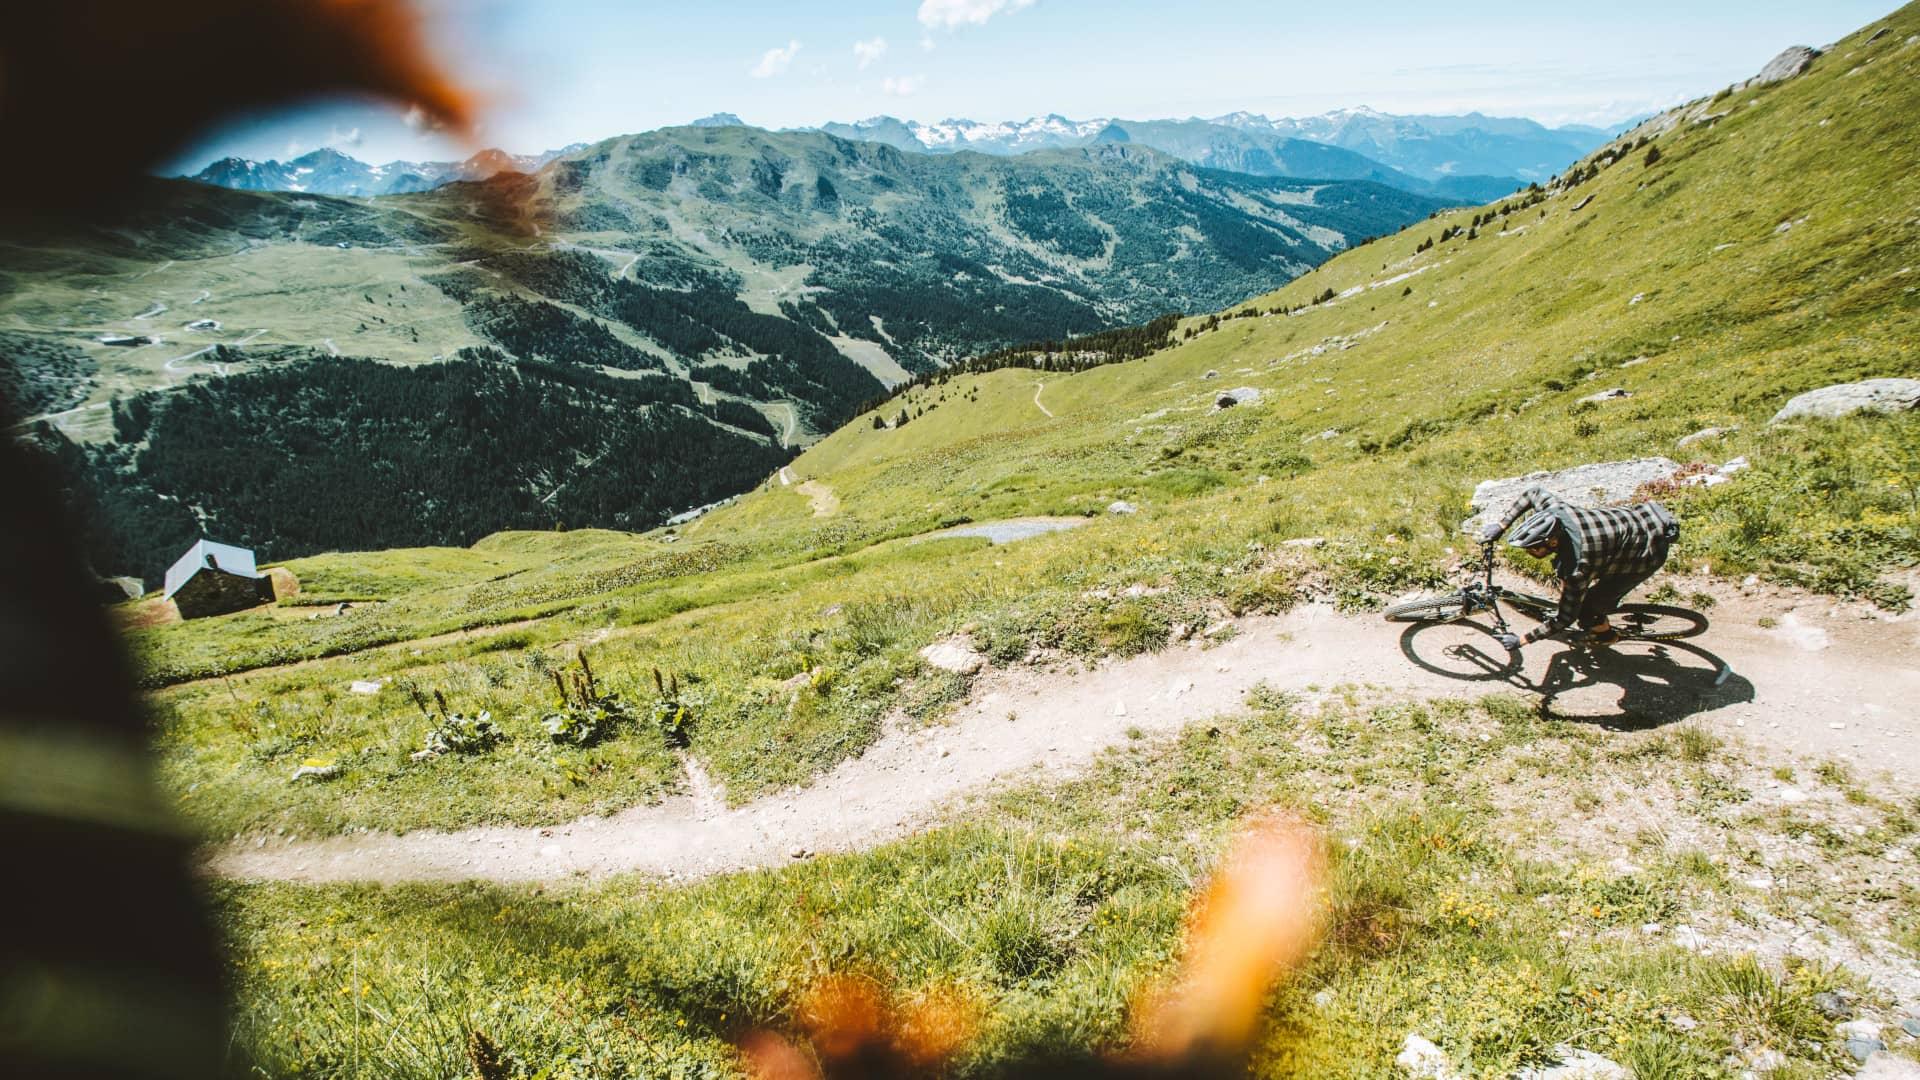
{"x":1461,"y":159}
{"x":327,"y":171}
{"x":1435,"y":149}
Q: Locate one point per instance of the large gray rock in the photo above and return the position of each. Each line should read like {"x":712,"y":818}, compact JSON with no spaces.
{"x":1241,"y":395}
{"x":1790,"y":63}
{"x":1872,"y":395}
{"x":1583,"y":485}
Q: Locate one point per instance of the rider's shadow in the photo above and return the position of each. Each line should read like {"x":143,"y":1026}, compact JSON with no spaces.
{"x":1632,"y":686}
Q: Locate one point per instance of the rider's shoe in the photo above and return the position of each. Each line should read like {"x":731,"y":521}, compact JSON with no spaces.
{"x":1600,"y":637}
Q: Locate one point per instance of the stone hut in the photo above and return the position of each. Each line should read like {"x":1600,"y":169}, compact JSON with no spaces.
{"x":213,"y":579}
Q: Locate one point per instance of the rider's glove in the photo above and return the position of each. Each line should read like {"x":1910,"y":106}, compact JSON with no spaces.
{"x":1510,"y":641}
{"x":1490,"y":532}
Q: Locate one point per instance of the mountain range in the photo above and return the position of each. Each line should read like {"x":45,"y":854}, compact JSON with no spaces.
{"x":1474,"y":157}
{"x":734,"y":292}
{"x":1462,"y":159}
{"x":329,"y":172}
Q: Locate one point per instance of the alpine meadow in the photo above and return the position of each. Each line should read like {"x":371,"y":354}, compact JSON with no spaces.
{"x":735,"y":562}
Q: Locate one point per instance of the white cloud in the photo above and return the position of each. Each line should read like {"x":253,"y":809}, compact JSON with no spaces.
{"x":775,"y":62}
{"x":869,"y":51}
{"x":953,"y":14}
{"x":418,"y":122}
{"x":350,"y":139}
{"x":904,"y":86}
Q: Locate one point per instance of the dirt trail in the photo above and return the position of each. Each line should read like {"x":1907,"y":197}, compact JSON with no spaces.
{"x":1821,"y":683}
{"x":825,"y":502}
{"x":1037,"y":387}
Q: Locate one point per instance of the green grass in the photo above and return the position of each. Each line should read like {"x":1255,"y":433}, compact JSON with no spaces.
{"x":1054,"y":909}
{"x":1051,"y":906}
{"x":1427,"y":401}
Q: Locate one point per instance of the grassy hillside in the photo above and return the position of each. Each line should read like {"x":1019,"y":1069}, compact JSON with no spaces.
{"x":1381,"y":410}
{"x":1756,"y":255}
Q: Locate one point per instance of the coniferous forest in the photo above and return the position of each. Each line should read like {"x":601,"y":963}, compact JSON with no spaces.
{"x":340,"y":454}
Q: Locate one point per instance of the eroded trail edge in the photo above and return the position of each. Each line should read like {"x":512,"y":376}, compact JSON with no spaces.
{"x":1812,"y":684}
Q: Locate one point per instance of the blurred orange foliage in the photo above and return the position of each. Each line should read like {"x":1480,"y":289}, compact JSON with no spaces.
{"x":1258,"y":919}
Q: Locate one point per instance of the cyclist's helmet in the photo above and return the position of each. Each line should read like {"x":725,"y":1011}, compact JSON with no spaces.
{"x":1535,"y":530}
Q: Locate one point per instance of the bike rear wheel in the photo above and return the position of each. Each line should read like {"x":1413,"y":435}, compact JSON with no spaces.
{"x":1431,"y":609}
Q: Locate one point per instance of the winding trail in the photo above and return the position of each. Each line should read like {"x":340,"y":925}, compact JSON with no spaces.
{"x":1823,"y":684}
{"x":1037,"y":387}
{"x":169,"y":365}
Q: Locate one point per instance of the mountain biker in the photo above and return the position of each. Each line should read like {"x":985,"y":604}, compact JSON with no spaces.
{"x":1599,"y":555}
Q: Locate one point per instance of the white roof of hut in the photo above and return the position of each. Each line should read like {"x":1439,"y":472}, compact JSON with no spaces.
{"x":207,"y":555}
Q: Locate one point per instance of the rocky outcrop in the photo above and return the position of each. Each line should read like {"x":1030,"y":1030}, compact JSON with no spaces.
{"x":1790,"y":63}
{"x":1871,"y":395}
{"x":1239,"y":395}
{"x":1583,"y":485}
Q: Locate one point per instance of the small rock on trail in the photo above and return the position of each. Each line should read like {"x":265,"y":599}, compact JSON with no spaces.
{"x":953,"y":655}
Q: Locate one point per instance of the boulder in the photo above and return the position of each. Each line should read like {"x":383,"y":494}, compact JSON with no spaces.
{"x":953,"y":655}
{"x":1791,"y":62}
{"x":1121,"y":506}
{"x":1583,"y":485}
{"x":1614,"y":394}
{"x":1240,"y":395}
{"x":1870,"y":395}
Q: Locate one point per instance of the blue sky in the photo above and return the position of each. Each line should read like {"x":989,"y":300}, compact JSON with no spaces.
{"x":563,"y":71}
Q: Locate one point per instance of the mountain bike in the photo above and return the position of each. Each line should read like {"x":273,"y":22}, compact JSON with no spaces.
{"x":1635,"y":622}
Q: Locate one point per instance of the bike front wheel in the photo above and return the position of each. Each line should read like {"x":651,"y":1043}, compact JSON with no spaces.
{"x":1657,"y":622}
{"x":1431,"y":609}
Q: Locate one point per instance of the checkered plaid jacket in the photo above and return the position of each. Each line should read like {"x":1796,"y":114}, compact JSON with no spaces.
{"x":1598,"y":542}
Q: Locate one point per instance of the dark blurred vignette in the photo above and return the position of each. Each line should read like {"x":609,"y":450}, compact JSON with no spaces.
{"x":109,"y":965}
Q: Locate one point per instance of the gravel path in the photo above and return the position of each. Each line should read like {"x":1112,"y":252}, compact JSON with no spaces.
{"x":1821,"y":682}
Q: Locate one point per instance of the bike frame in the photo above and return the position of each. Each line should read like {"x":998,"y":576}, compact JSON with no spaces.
{"x":1485,"y":595}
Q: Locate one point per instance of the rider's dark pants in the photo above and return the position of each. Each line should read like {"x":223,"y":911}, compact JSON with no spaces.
{"x":1605,"y":594}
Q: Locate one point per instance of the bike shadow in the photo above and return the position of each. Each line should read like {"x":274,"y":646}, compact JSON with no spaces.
{"x":1631,"y":686}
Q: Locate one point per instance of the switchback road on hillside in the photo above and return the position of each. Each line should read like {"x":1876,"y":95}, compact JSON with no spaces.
{"x":1817,"y":681}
